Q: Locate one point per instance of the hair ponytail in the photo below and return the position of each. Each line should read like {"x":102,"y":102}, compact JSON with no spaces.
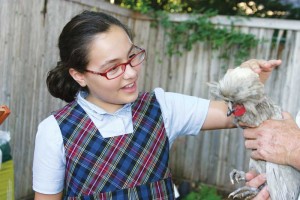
{"x":61,"y":84}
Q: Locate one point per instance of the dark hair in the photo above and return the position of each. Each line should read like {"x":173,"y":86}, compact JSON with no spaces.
{"x":73,"y":43}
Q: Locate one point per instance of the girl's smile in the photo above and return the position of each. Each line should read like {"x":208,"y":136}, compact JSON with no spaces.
{"x":130,"y":87}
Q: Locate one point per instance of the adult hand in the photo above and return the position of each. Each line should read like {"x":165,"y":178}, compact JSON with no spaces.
{"x":262,"y":67}
{"x":275,"y":141}
{"x":254,"y":180}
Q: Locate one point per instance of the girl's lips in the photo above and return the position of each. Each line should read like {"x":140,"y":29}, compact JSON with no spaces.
{"x":130,"y":87}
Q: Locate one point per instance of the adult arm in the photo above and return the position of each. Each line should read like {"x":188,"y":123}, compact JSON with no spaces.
{"x":275,"y":141}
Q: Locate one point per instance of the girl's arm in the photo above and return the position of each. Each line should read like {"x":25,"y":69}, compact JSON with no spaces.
{"x":217,"y":117}
{"x":40,"y":196}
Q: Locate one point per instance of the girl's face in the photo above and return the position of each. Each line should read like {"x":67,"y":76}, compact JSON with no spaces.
{"x":106,"y":51}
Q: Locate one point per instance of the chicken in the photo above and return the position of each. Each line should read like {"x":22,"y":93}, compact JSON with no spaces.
{"x":247,"y":101}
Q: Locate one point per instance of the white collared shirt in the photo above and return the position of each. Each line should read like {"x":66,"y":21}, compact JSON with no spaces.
{"x":109,"y":125}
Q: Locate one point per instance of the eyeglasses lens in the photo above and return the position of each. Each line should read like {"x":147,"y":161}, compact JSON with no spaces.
{"x":117,"y":71}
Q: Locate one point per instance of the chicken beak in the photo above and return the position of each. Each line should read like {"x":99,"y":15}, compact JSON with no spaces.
{"x":230,"y":109}
{"x":229,"y":112}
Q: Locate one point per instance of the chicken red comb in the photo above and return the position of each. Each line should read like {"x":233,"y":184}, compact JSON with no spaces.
{"x":239,"y":110}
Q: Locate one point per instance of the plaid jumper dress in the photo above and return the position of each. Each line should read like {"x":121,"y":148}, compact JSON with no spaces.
{"x":130,"y":166}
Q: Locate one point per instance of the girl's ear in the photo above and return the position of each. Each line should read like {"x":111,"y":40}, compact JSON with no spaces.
{"x":78,"y":77}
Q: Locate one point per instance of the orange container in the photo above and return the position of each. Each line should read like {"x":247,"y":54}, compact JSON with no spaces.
{"x":4,"y":112}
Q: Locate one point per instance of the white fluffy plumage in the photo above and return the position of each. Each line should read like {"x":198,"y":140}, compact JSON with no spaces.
{"x":241,"y":86}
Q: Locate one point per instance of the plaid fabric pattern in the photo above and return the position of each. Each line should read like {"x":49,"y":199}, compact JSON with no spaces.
{"x":130,"y":166}
{"x":156,"y":191}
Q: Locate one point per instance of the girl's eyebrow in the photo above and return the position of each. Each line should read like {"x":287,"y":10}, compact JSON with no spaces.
{"x":114,"y":60}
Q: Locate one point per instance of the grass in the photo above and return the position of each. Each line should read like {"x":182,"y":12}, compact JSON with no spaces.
{"x":203,"y":192}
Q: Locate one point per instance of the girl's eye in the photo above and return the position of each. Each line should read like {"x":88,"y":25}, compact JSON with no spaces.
{"x":132,"y":55}
{"x":113,"y":69}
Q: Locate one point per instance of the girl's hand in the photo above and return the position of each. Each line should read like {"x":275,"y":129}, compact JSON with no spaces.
{"x":262,"y":67}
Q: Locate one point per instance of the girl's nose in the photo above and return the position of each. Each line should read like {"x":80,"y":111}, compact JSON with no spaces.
{"x":130,"y":72}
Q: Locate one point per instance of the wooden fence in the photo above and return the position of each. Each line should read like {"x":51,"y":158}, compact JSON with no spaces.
{"x":29,"y":30}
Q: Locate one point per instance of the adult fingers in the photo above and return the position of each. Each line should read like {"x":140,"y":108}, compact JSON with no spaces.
{"x":245,"y":125}
{"x":265,"y":66}
{"x":263,"y":194}
{"x":271,"y":63}
{"x":249,"y":133}
{"x":256,"y":155}
{"x":251,"y":174}
{"x":257,"y":181}
{"x":251,"y":144}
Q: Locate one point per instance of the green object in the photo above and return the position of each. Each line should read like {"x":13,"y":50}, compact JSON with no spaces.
{"x":204,"y":192}
{"x":6,"y":152}
{"x":7,"y":181}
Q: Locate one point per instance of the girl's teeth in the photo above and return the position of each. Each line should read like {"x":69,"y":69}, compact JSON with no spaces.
{"x":128,"y":86}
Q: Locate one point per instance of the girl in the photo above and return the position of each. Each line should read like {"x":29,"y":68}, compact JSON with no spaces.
{"x":110,"y":141}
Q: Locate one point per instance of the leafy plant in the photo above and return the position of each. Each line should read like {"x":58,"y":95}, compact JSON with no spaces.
{"x":204,"y":192}
{"x":254,"y":8}
{"x":198,"y":28}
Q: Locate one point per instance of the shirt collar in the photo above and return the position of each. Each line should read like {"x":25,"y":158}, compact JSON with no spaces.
{"x":81,"y":99}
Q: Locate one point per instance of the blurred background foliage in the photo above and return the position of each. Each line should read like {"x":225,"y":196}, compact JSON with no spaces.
{"x":285,"y":9}
{"x":200,"y":28}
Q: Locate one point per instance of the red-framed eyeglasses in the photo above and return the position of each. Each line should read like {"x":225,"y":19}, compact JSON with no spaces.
{"x":118,"y":70}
